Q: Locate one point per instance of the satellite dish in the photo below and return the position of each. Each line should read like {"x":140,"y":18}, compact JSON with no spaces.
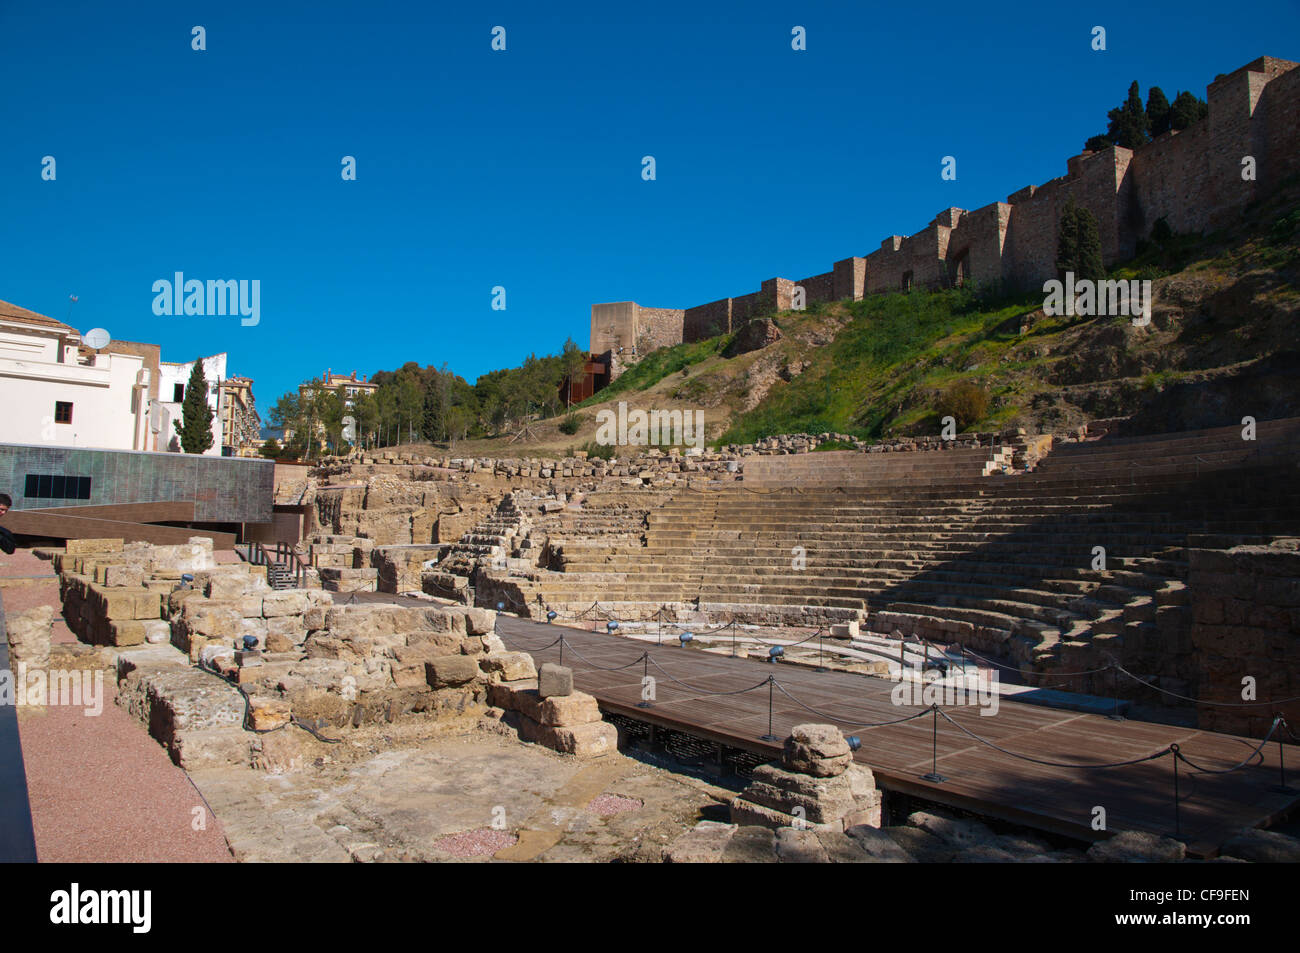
{"x":96,"y":338}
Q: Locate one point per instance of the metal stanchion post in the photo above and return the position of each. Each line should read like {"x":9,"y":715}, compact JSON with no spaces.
{"x":934,"y":776}
{"x":771,"y":681}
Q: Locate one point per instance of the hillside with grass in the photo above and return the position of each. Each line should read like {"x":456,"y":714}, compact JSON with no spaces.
{"x":1221,"y":343}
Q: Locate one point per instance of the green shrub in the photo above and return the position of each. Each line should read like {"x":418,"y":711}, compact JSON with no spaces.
{"x":570,"y":424}
{"x":965,"y":402}
{"x":599,"y":451}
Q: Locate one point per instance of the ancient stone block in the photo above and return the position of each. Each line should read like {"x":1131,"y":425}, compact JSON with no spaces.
{"x":1137,"y":847}
{"x":554,"y":679}
{"x":507,"y":694}
{"x":818,"y":750}
{"x":509,"y":666}
{"x":29,"y":636}
{"x":447,"y":671}
{"x":127,"y":632}
{"x":79,"y":547}
{"x":568,"y":710}
{"x":284,"y":602}
{"x":268,"y":713}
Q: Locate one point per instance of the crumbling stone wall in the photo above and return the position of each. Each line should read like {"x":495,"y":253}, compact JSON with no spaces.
{"x":113,"y":593}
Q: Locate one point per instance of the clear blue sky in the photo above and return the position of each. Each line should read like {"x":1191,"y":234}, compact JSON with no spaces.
{"x":523,"y":168}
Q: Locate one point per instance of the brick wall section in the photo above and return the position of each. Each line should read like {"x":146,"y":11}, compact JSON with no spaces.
{"x":1191,"y":178}
{"x":1246,"y":622}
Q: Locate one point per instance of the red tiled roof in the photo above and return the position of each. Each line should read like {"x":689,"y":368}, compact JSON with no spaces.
{"x":11,"y":312}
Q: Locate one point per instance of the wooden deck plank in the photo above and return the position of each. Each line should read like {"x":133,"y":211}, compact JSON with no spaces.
{"x":701,"y":693}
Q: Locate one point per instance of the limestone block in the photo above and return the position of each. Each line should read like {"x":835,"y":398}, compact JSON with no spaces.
{"x":215,"y":747}
{"x":568,"y":710}
{"x":844,"y":630}
{"x":177,"y":598}
{"x":250,"y":605}
{"x":554,"y":679}
{"x":1137,"y":847}
{"x":508,"y":666}
{"x":276,"y":642}
{"x":288,"y":626}
{"x":127,"y":632}
{"x":818,"y":750}
{"x":409,"y":663}
{"x":147,"y":604}
{"x":439,"y":643}
{"x":128,"y":575}
{"x":447,"y":671}
{"x":266,"y":714}
{"x":29,"y":636}
{"x":586,"y":741}
{"x":477,"y":621}
{"x":79,"y":547}
{"x":507,"y":695}
{"x":157,"y":632}
{"x":284,"y":602}
{"x":227,"y":587}
{"x":590,"y":740}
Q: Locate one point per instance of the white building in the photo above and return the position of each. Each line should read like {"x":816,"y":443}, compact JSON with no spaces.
{"x":59,"y":392}
{"x":173,"y":379}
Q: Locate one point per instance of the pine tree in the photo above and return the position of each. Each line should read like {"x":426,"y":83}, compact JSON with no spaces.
{"x":1067,"y":244}
{"x":432,"y":422}
{"x":1157,"y":111}
{"x":1128,"y":123}
{"x":1097,"y":143}
{"x":195,"y":425}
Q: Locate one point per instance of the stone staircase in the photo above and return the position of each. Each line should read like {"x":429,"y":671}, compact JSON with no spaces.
{"x":489,"y":545}
{"x":1004,"y":564}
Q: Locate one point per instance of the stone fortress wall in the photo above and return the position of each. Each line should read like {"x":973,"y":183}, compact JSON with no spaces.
{"x":1192,"y":179}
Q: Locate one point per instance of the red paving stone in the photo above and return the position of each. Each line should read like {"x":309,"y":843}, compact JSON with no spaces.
{"x":101,"y":790}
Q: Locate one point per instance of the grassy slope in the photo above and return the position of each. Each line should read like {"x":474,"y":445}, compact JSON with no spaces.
{"x":875,"y":367}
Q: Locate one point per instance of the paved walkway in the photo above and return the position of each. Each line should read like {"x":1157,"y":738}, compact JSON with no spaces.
{"x":100,"y":789}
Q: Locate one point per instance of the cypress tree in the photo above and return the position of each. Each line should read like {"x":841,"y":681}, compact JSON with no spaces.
{"x":1128,"y":123}
{"x":1067,"y":243}
{"x":1187,"y":109}
{"x":1078,"y":247}
{"x":1089,"y":263}
{"x":195,"y":425}
{"x":1157,"y":111}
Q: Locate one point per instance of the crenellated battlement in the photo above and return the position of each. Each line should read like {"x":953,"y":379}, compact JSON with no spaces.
{"x":1190,"y":178}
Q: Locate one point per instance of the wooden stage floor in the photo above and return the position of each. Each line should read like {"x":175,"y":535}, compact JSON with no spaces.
{"x":979,"y":778}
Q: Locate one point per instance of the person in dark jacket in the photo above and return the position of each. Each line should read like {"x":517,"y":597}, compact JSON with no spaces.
{"x":7,"y":541}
